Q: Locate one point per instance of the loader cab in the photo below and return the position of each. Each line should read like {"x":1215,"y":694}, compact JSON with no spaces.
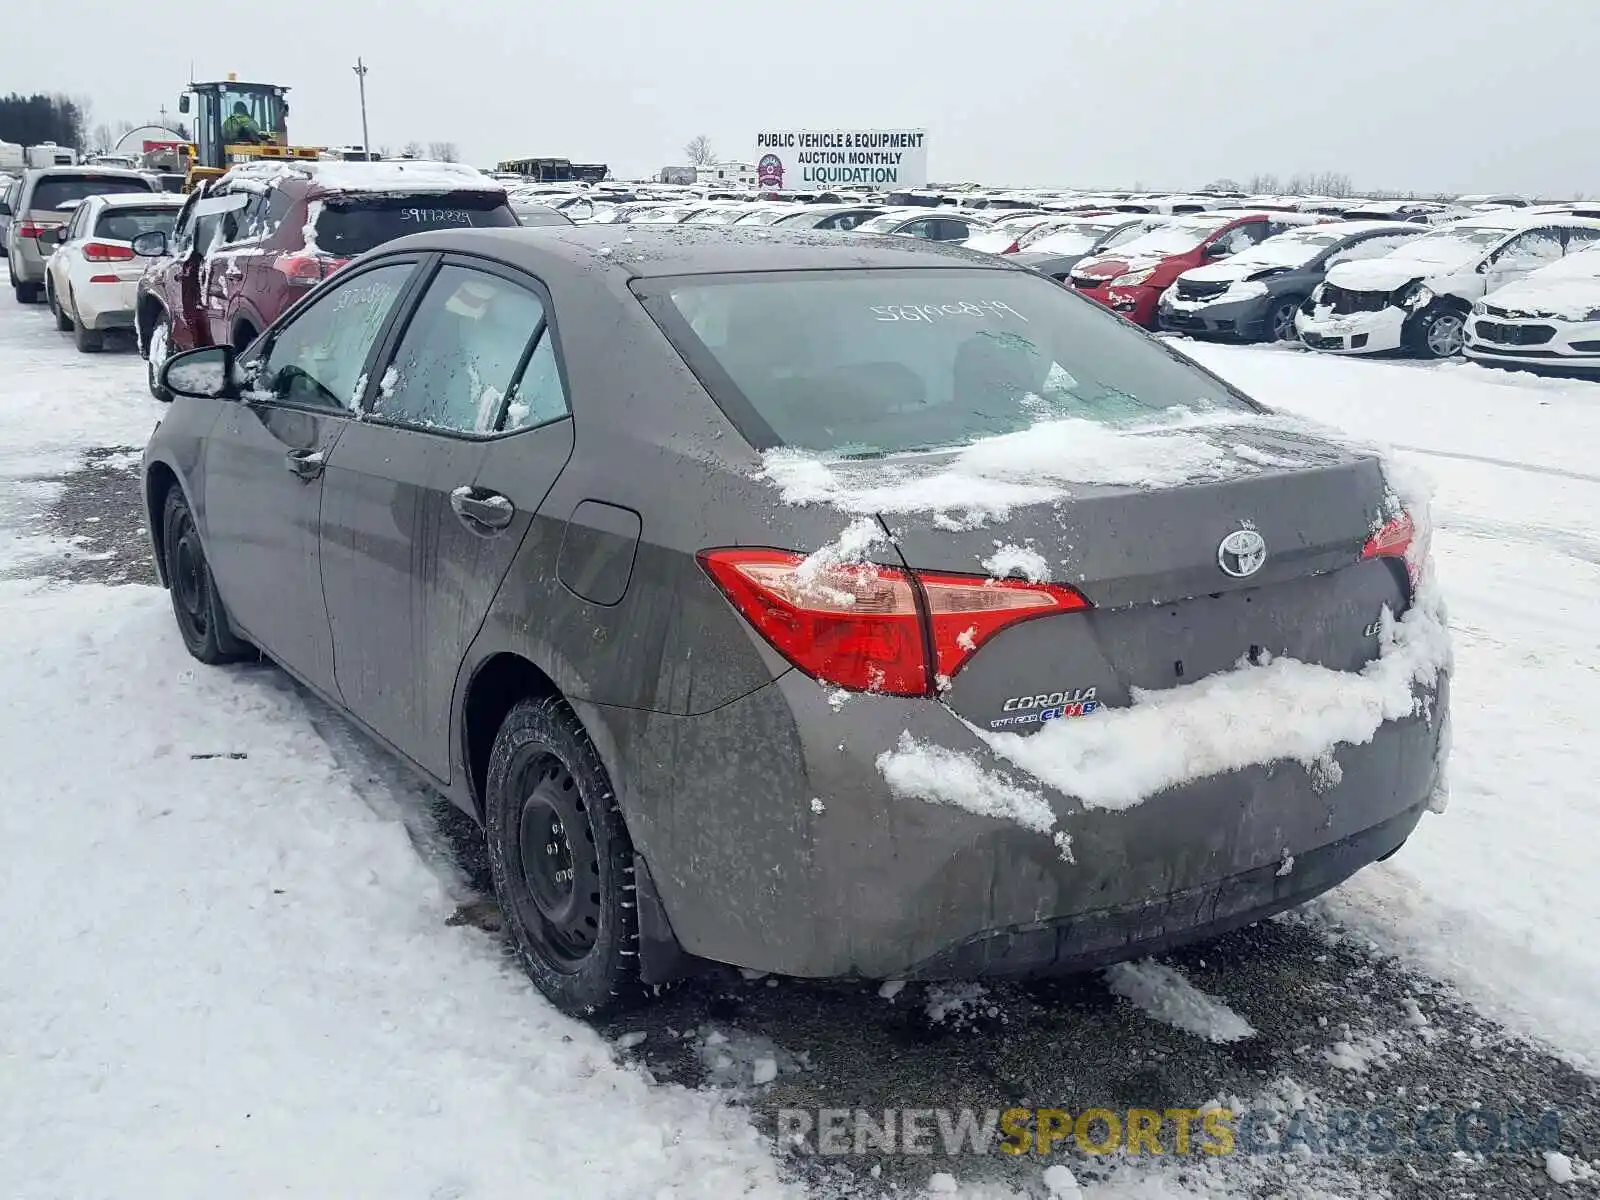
{"x":215,"y":103}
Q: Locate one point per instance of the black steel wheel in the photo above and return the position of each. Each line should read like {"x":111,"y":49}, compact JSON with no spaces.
{"x":202,"y":619}
{"x":561,"y":859}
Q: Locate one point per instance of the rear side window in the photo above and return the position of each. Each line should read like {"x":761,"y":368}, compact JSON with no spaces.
{"x":53,"y":191}
{"x":125,"y":224}
{"x":353,"y":224}
{"x":456,"y":363}
{"x":875,"y":362}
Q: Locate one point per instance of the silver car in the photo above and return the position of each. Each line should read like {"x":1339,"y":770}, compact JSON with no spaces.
{"x":42,"y":200}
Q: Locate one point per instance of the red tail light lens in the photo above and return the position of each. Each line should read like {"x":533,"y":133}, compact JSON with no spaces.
{"x":102,"y":252}
{"x":1395,"y":540}
{"x":968,"y":610}
{"x":32,"y":229}
{"x":861,"y":627}
{"x":1012,"y":249}
{"x":306,"y":269}
{"x":856,"y":626}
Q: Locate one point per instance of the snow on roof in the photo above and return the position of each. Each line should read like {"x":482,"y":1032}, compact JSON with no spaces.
{"x":143,"y":200}
{"x":407,"y":175}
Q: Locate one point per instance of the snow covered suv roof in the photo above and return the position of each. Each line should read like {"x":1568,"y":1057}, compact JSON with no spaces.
{"x":408,"y":175}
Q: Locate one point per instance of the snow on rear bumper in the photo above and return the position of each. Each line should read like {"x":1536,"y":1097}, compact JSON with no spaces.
{"x":776,"y":842}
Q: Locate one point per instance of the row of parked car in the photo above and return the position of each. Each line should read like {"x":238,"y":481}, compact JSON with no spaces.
{"x":1506,"y":284}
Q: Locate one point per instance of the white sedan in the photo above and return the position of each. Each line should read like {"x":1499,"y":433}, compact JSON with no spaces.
{"x":91,"y":278}
{"x":1549,"y":320}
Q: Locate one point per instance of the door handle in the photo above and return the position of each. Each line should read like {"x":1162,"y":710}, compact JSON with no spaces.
{"x":482,"y":512}
{"x":307,"y":464}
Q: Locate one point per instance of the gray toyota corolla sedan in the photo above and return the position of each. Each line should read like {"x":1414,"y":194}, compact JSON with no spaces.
{"x":821,"y":606}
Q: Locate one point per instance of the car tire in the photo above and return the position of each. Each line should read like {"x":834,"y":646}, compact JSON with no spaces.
{"x":561,"y":860}
{"x":1440,"y":332}
{"x":160,"y":337}
{"x":63,"y":322}
{"x":202,"y":618}
{"x":1280,"y":320}
{"x":88,"y":341}
{"x":26,"y":293}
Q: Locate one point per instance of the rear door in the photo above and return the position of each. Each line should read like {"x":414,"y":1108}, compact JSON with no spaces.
{"x":428,"y":499}
{"x":265,"y":458}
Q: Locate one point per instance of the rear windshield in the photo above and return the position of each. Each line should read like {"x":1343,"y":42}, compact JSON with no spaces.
{"x":55,"y":190}
{"x":351,"y":225}
{"x":878,"y":362}
{"x":125,"y":224}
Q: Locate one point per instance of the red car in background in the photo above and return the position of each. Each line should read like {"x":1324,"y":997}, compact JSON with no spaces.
{"x":252,"y":243}
{"x":1130,"y":279}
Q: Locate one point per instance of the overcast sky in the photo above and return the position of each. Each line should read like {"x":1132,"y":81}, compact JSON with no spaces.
{"x":1460,"y":95}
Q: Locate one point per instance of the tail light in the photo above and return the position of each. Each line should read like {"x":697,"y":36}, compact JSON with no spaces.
{"x":1012,"y":249}
{"x":1396,"y":539}
{"x":870,"y":628}
{"x":33,"y":229}
{"x":304,"y":269}
{"x":102,"y":252}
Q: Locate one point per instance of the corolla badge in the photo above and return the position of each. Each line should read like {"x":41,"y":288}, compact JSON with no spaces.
{"x":1242,"y":553}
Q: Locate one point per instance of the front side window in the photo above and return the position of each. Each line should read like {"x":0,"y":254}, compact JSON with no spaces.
{"x":1530,"y":250}
{"x":883,"y":361}
{"x":75,"y":226}
{"x":457,"y":360}
{"x":318,"y":358}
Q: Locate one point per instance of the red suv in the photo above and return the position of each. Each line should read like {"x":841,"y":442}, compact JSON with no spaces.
{"x":1131,"y":278}
{"x":252,"y":243}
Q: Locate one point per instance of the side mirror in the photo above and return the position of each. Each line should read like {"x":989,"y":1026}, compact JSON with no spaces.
{"x":52,"y":237}
{"x":150,"y":245}
{"x":183,"y":103}
{"x":1218,"y":250}
{"x":204,"y":374}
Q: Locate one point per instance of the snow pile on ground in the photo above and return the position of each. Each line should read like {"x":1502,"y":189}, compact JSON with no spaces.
{"x":958,"y":1004}
{"x":1163,"y":992}
{"x":735,"y":1059}
{"x":1359,"y":1053}
{"x":216,"y":951}
{"x":984,"y":481}
{"x":1501,"y":897}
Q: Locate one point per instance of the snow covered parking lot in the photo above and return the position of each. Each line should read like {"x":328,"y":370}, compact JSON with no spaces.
{"x":227,"y":964}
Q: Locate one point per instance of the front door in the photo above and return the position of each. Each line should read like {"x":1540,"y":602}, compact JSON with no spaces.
{"x":264,"y":466}
{"x":427,"y":501}
{"x":1521,"y":256}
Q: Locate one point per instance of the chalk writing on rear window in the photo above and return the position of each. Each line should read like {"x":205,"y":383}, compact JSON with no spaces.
{"x":436,"y":216}
{"x":943,"y":312}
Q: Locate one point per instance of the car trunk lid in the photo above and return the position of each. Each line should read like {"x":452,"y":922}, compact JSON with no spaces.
{"x":1173,"y":577}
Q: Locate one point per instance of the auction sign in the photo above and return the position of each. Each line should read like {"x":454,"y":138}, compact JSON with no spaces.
{"x":820,"y":159}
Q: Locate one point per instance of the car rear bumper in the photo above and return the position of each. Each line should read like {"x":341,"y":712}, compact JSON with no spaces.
{"x":27,"y":264}
{"x":105,"y":305}
{"x":775,"y":843}
{"x":1356,"y":333}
